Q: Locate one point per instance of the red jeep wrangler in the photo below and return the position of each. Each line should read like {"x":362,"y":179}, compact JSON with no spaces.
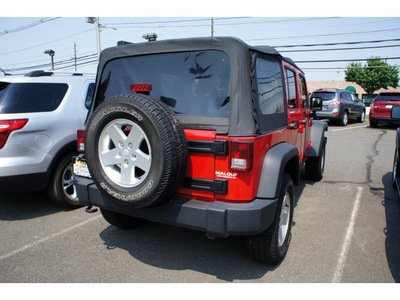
{"x":207,"y":134}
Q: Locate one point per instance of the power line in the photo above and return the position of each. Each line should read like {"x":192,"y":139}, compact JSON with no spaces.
{"x":208,"y":20}
{"x":56,"y":64}
{"x":341,"y":43}
{"x":79,"y":64}
{"x":279,"y":21}
{"x":173,"y":21}
{"x":41,"y":21}
{"x":343,"y":60}
{"x":345,"y":68}
{"x":338,"y":49}
{"x":35,"y":46}
{"x":323,"y":35}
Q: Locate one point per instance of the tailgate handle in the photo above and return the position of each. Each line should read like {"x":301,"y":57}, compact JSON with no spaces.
{"x":218,"y":147}
{"x":218,"y":186}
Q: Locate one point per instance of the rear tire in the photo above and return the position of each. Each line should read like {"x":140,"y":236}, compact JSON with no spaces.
{"x":373,"y":123}
{"x":120,"y":220}
{"x":270,"y":246}
{"x":361,"y":118}
{"x":345,"y":119}
{"x":61,"y":189}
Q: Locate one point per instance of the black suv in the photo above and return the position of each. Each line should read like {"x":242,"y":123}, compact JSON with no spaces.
{"x":204,"y":133}
{"x":339,"y":105}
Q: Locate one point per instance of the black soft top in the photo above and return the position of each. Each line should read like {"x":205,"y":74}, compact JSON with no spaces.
{"x":242,"y":121}
{"x":228,"y":44}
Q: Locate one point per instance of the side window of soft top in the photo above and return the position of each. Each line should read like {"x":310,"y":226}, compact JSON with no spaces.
{"x":269,"y":92}
{"x":291,"y":86}
{"x":304,"y":95}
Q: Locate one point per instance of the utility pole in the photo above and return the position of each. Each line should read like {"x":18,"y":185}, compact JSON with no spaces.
{"x":75,"y":56}
{"x":98,"y":37}
{"x":95,"y":21}
{"x":212,"y":27}
{"x":337,"y":79}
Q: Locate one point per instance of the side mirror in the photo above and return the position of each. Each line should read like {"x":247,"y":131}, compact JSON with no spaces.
{"x":316,"y":103}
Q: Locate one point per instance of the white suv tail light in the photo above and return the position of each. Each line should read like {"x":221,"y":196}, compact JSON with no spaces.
{"x":8,"y":126}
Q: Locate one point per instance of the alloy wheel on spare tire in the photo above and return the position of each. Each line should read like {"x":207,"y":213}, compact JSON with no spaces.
{"x":136,"y":150}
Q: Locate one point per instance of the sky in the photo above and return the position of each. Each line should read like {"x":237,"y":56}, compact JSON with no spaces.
{"x":26,"y":34}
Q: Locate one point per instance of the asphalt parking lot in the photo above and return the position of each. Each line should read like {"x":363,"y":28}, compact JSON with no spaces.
{"x":347,"y":229}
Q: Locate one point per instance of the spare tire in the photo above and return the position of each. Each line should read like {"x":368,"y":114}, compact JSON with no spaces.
{"x":136,"y":150}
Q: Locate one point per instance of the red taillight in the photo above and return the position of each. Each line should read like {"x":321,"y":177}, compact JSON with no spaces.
{"x":241,"y":155}
{"x":336,"y":102}
{"x":81,"y":140}
{"x":8,"y":126}
{"x":141,"y":87}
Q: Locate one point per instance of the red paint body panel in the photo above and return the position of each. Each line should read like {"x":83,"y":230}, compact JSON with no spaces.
{"x":242,"y":186}
{"x":199,"y":165}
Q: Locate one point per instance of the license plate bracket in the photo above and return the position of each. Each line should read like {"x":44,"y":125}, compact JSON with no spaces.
{"x":80,"y":167}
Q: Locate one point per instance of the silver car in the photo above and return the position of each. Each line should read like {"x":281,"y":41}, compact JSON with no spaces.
{"x":39,"y":116}
{"x":339,"y":105}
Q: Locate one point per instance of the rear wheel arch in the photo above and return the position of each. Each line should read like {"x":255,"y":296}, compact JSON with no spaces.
{"x":68,"y":149}
{"x":279,"y":159}
{"x":60,"y":187}
{"x":317,"y":137}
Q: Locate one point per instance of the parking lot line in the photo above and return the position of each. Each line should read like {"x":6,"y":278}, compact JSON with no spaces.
{"x":337,"y":276}
{"x":348,"y":128}
{"x":49,"y":237}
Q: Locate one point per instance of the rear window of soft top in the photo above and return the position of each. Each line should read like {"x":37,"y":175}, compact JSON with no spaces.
{"x":191,"y":83}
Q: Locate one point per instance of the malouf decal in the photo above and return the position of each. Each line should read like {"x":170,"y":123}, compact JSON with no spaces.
{"x":225,"y":175}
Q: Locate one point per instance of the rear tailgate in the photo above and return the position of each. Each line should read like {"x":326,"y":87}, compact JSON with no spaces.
{"x":199,"y":181}
{"x":384,"y":108}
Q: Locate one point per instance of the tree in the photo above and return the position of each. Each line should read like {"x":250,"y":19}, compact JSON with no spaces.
{"x":376,"y":74}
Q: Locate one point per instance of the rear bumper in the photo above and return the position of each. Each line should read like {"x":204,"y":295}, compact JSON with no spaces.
{"x":327,"y":114}
{"x":384,"y":119}
{"x":217,"y":219}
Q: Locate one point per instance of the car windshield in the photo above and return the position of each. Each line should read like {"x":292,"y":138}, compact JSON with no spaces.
{"x":324,"y":95}
{"x":191,"y":83}
{"x":30,"y":97}
{"x":388,"y":97}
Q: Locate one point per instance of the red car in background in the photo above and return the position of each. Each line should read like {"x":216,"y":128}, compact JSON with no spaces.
{"x":385,"y":108}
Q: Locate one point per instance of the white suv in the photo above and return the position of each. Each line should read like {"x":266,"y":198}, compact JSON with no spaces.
{"x":39,"y":116}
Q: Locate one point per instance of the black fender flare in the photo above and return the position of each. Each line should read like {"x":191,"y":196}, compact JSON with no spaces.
{"x":317,"y":136}
{"x":275,"y":164}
